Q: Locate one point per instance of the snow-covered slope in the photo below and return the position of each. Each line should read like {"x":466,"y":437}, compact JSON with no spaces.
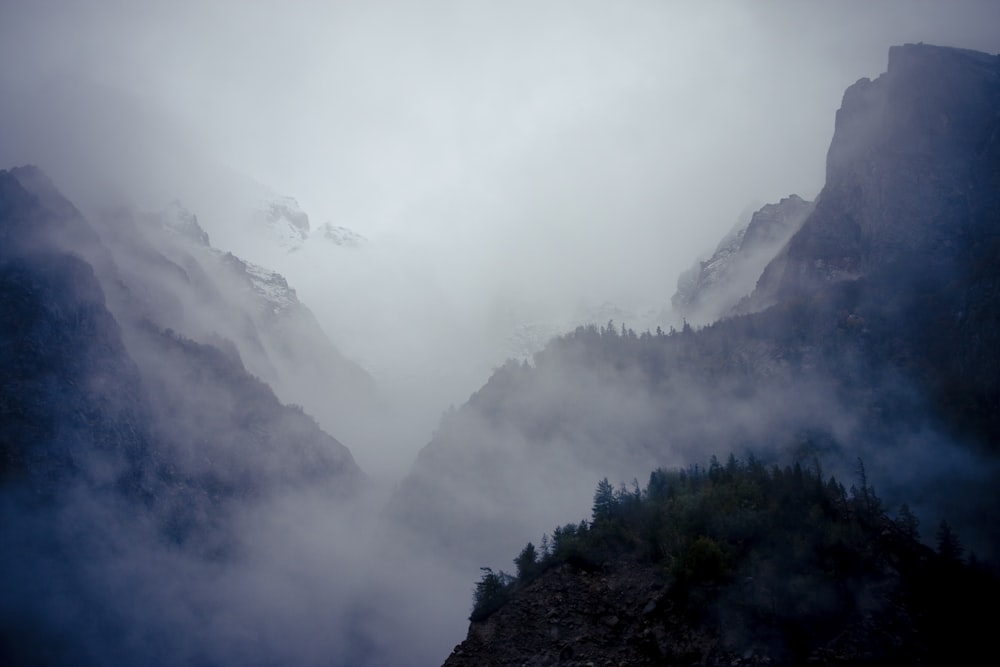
{"x":713,"y":287}
{"x":339,"y":235}
{"x":213,"y":296}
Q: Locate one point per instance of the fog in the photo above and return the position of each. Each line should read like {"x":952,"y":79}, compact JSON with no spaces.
{"x":516,"y":169}
{"x":510,"y":163}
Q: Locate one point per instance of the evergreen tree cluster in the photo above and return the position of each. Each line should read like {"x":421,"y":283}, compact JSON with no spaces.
{"x":777,"y":547}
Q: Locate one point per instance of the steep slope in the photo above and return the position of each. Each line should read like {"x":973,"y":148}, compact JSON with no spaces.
{"x":911,"y":184}
{"x":71,"y":399}
{"x":888,"y":354}
{"x":133,"y":458}
{"x":912,"y":209}
{"x":207,"y":294}
{"x":712,"y":288}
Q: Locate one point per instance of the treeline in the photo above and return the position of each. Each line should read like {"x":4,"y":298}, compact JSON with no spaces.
{"x":783,"y":547}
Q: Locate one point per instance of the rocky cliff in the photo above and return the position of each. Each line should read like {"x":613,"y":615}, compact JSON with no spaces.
{"x":131,"y":456}
{"x":911,"y":184}
{"x":711,"y":288}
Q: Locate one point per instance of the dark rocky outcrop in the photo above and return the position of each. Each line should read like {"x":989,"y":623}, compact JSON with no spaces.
{"x":912,"y":608}
{"x":912,"y":176}
{"x":735,"y":564}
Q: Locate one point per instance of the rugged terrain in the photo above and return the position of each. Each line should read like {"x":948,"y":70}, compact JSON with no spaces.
{"x":735,"y":565}
{"x":130,"y":453}
{"x":712,"y":288}
{"x":871,"y":334}
{"x":172,"y":490}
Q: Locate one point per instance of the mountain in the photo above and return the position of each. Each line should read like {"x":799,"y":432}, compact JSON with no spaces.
{"x":133,"y":454}
{"x":283,"y":217}
{"x":280,"y":221}
{"x":72,"y":405}
{"x":712,"y":288}
{"x":911,"y":176}
{"x":870,"y":335}
{"x":207,"y":294}
{"x":909,"y":215}
{"x":340,"y":235}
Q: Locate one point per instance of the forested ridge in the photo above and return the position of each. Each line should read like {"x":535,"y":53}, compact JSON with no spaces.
{"x":777,"y":562}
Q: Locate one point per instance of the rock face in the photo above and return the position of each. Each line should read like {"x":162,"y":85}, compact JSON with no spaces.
{"x":911,"y":175}
{"x":181,"y":282}
{"x":575,"y":616}
{"x":127,"y":449}
{"x":623,"y":614}
{"x":710,"y":289}
{"x":183,"y":222}
{"x":145,"y":364}
{"x":71,"y":403}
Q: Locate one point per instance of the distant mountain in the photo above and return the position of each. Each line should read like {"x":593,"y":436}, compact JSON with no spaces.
{"x":261,"y":223}
{"x":339,"y":235}
{"x":280,"y":220}
{"x":214,"y":294}
{"x":712,"y":288}
{"x":128,"y":445}
{"x":527,"y":335}
{"x":283,"y":217}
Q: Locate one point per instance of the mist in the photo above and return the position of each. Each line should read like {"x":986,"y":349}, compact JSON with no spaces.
{"x":515,"y":169}
{"x":509,"y":164}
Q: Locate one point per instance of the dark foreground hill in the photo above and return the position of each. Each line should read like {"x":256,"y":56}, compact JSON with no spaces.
{"x":736,"y":564}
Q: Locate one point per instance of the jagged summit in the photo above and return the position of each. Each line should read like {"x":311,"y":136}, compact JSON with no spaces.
{"x":278,"y":296}
{"x":340,"y":235}
{"x":183,"y":222}
{"x":282,"y":216}
{"x":873,"y":334}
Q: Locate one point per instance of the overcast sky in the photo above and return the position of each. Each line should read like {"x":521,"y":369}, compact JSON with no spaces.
{"x":542,"y":151}
{"x":388,"y":114}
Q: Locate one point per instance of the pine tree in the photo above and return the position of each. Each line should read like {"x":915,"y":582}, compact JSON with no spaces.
{"x":604,"y":501}
{"x":949,"y":546}
{"x":526,"y":562}
{"x":492,"y":590}
{"x":908,"y":522}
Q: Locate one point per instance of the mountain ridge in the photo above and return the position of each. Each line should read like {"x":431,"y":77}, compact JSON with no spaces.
{"x":872,"y":334}
{"x":129,"y":453}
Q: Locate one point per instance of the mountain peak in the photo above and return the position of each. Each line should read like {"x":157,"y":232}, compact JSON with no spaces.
{"x":920,"y":56}
{"x":911,"y":173}
{"x":341,"y":236}
{"x":180,"y":220}
{"x":714,"y":287}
